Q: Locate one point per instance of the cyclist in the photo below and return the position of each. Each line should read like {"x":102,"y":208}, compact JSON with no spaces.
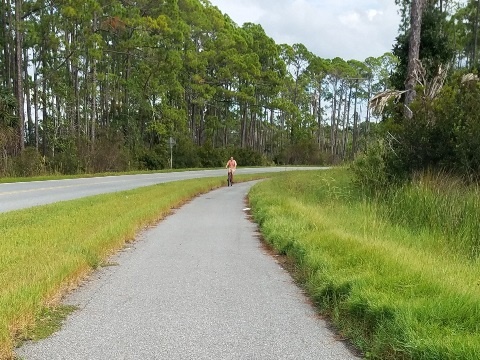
{"x":231,"y":166}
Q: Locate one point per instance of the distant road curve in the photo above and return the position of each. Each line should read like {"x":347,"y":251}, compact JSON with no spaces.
{"x":15,"y":196}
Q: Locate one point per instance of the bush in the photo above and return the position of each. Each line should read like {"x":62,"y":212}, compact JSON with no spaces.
{"x":248,"y":157}
{"x":67,"y":159}
{"x":109,"y":155}
{"x":370,"y":170}
{"x":185,"y":154}
{"x":211,"y":157}
{"x":29,"y":163}
{"x":441,"y":136}
{"x":302,"y":153}
{"x":156,"y":158}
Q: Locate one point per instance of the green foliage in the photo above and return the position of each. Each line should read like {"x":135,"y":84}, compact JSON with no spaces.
{"x":155,"y":158}
{"x":185,"y":154}
{"x":67,"y":159}
{"x":305,"y":152}
{"x":369,"y":169}
{"x":442,"y":134}
{"x":9,"y":144}
{"x":464,"y":116}
{"x":212,"y":157}
{"x":150,"y":70}
{"x":108,"y":155}
{"x":8,"y":104}
{"x":247,"y":157}
{"x":436,"y":46}
{"x":29,"y":163}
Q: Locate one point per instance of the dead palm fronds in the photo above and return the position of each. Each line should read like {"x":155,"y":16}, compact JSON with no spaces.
{"x":379,"y":101}
{"x":469,"y":77}
{"x":430,"y":88}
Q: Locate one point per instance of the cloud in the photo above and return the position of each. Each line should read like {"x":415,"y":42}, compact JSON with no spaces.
{"x":350,"y":29}
{"x":372,"y":13}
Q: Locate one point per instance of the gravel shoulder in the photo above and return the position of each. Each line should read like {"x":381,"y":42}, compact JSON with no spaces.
{"x":199,"y":285}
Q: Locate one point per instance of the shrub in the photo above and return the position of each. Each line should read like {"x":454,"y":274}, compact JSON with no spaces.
{"x":185,"y":154}
{"x":29,"y":163}
{"x":303,"y":153}
{"x":212,"y":157}
{"x":370,"y":170}
{"x":248,"y":157}
{"x":66,"y":159}
{"x":442,"y":135}
{"x":156,"y":158}
{"x":109,"y":154}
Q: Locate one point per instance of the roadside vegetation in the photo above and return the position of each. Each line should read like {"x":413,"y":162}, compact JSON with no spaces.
{"x":397,"y":272}
{"x":47,"y":250}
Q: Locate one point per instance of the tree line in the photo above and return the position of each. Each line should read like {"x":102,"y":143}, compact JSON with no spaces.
{"x":431,"y":115}
{"x":103,"y":85}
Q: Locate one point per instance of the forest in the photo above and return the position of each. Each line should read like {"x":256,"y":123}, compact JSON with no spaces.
{"x":90,"y":86}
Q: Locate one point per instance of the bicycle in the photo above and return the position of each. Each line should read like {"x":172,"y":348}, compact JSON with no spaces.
{"x":230,"y":177}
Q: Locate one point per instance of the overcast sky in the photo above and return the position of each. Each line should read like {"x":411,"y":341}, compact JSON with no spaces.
{"x":350,"y":29}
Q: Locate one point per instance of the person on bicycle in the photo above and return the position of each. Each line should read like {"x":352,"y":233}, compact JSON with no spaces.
{"x":231,"y":166}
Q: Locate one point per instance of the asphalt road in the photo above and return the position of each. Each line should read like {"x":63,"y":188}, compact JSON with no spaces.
{"x":17,"y":196}
{"x":197,"y":286}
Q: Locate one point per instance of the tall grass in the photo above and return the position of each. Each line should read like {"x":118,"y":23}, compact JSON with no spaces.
{"x":44,"y":251}
{"x":442,"y":205}
{"x":392,"y":290}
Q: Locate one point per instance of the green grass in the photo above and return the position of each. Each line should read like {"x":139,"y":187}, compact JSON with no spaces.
{"x":397,"y":291}
{"x":48,"y":321}
{"x":441,"y":205}
{"x":46,"y":250}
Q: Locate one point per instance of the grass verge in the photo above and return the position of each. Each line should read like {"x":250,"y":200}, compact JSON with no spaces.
{"x":396,"y":293}
{"x":45,"y":251}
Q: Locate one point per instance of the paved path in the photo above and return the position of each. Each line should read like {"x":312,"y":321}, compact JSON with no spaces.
{"x":197,"y":286}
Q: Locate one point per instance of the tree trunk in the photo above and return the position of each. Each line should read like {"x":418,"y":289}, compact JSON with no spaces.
{"x":336,"y":144}
{"x":346,"y":123}
{"x":11,"y":49}
{"x":243,"y":139}
{"x":5,"y":36}
{"x":414,"y":51}
{"x":28,"y":100}
{"x":333,"y":124}
{"x":35,"y":105}
{"x":19,"y":73}
{"x":94,"y":89}
{"x":475,"y":44}
{"x":367,"y":127}
{"x":44,"y":106}
{"x":355,"y":123}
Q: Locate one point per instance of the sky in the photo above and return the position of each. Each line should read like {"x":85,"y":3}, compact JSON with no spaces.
{"x":350,"y":29}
